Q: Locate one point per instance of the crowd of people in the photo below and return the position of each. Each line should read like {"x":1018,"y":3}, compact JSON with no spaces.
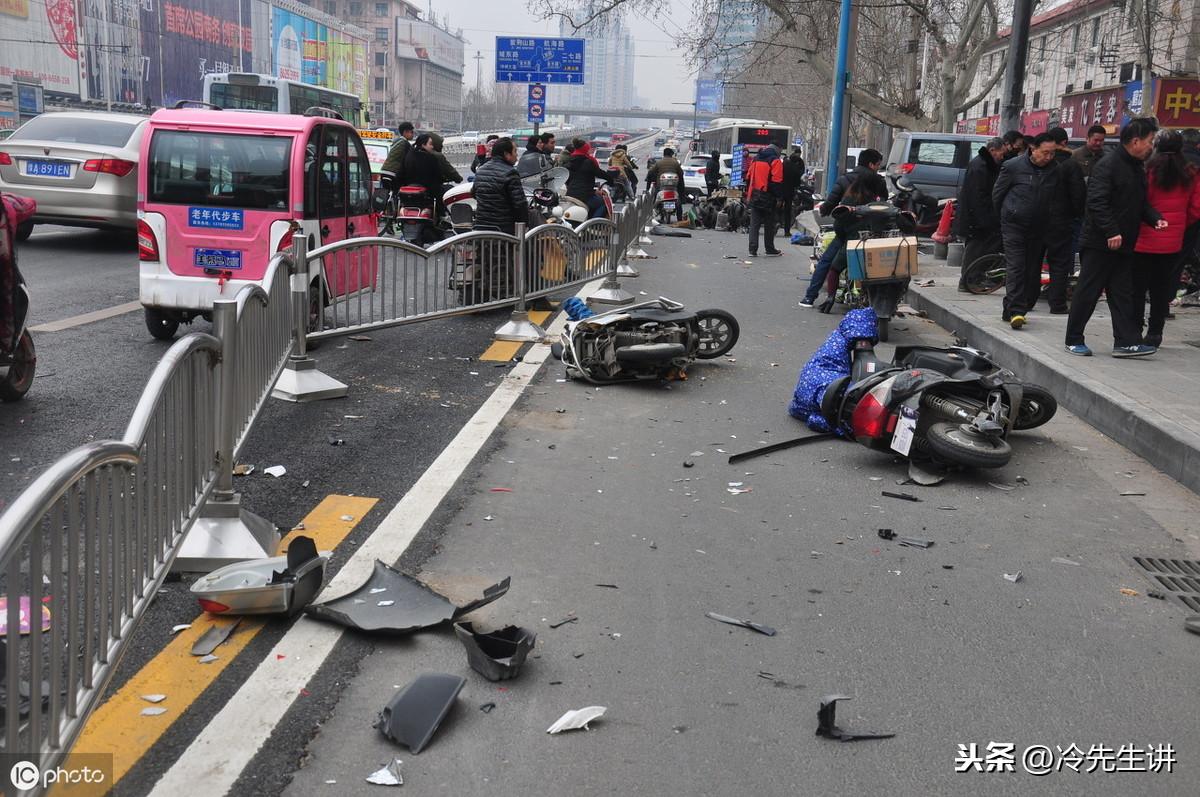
{"x":1131,"y":213}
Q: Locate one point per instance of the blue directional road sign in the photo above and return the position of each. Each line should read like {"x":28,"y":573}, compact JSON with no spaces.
{"x":537,"y":103}
{"x":708,"y":96}
{"x":523,"y":59}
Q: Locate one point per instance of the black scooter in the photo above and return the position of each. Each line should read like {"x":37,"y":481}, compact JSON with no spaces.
{"x":952,"y":406}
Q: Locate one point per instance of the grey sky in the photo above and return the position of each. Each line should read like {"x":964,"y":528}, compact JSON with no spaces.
{"x":662,"y":75}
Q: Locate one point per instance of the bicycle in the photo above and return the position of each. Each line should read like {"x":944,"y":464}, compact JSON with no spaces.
{"x":987,"y":275}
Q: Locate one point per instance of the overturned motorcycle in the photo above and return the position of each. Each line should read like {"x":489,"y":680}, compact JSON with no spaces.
{"x":653,"y":340}
{"x":950,"y":406}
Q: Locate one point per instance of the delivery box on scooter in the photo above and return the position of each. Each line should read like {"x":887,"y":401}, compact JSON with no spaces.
{"x":882,"y":258}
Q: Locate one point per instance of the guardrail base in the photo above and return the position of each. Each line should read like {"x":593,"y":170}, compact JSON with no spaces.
{"x":301,"y":381}
{"x":610,"y":292}
{"x":223,"y":534}
{"x":519,"y":328}
{"x":626,"y":270}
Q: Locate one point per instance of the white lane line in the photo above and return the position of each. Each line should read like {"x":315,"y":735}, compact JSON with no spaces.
{"x":234,"y":736}
{"x":87,"y":318}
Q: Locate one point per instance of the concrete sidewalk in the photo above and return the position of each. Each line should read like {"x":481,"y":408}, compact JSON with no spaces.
{"x":1149,"y":405}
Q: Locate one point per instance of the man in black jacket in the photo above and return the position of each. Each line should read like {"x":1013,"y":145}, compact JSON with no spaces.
{"x":793,"y":176}
{"x":712,"y":172}
{"x":870,"y":161}
{"x":393,"y":166}
{"x":1116,"y":209}
{"x":1023,"y":195}
{"x":499,"y":199}
{"x":421,"y":167}
{"x":975,"y":217}
{"x":1066,"y":217}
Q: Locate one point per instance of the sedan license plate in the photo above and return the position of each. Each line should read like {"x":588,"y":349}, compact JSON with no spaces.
{"x":224,"y":259}
{"x":668,"y":206}
{"x":47,"y":169}
{"x":688,"y":173}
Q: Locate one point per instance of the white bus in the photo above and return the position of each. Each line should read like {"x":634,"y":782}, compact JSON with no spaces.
{"x":252,"y":92}
{"x":722,"y":134}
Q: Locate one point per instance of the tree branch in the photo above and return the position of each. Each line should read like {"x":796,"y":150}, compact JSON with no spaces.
{"x":991,"y":84}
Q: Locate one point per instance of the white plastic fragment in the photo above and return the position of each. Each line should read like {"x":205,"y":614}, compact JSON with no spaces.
{"x":153,"y":711}
{"x":1013,"y":577}
{"x":387,"y":603}
{"x":175,"y":629}
{"x":377,"y":590}
{"x":275,"y":470}
{"x":1061,"y":560}
{"x":388,"y":775}
{"x":154,"y":698}
{"x":209,"y":659}
{"x":577,"y":718}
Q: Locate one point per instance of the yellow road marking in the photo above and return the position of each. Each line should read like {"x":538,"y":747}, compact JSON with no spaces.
{"x":118,"y":728}
{"x":501,"y":351}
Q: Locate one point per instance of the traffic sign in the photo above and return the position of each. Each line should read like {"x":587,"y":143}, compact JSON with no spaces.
{"x":537,"y":103}
{"x":709,"y":96}
{"x":523,"y":59}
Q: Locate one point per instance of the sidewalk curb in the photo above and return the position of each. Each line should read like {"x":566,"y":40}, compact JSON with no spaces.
{"x":1169,"y":446}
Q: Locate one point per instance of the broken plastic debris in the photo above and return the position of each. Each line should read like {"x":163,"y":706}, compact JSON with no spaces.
{"x":336,"y":441}
{"x":496,"y":655}
{"x":153,"y":711}
{"x":901,"y":496}
{"x":242,"y":470}
{"x":489,"y":517}
{"x":1059,"y":560}
{"x":1128,"y":592}
{"x":1005,"y":487}
{"x":827,"y":723}
{"x":214,"y":636}
{"x":1132,"y":492}
{"x":925,"y":475}
{"x":359,"y":338}
{"x":154,"y":698}
{"x":274,"y":585}
{"x":416,"y":606}
{"x":388,"y":775}
{"x":1013,"y":577}
{"x":486,"y":708}
{"x":348,"y":518}
{"x":914,"y":542}
{"x":564,"y":621}
{"x":762,"y":629}
{"x":275,"y":470}
{"x":414,"y":714}
{"x":209,"y":659}
{"x":175,"y":629}
{"x":577,"y":718}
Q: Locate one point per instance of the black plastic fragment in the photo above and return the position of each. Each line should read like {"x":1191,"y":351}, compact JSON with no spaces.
{"x":409,"y":604}
{"x":564,"y":621}
{"x":414,"y":714}
{"x":913,"y":542}
{"x":901,"y":496}
{"x":762,"y":629}
{"x":780,"y":446}
{"x":827,"y":719}
{"x":486,"y":708}
{"x":496,"y":655}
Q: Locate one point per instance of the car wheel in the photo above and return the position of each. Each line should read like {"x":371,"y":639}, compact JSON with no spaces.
{"x":162,"y":325}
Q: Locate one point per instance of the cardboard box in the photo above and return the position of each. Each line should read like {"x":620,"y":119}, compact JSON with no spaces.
{"x":882,"y":258}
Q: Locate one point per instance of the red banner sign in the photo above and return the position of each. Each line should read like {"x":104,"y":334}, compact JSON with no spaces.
{"x":1177,"y":103}
{"x":1081,"y":111}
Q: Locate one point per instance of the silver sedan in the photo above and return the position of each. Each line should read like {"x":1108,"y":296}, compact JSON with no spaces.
{"x":80,"y":166}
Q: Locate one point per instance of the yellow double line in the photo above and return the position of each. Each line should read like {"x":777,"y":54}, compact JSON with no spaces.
{"x":118,"y":727}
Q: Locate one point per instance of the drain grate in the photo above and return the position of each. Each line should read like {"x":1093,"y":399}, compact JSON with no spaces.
{"x":1179,"y":578}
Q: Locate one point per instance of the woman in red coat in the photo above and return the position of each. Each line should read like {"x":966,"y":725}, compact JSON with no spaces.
{"x":1173,"y":188}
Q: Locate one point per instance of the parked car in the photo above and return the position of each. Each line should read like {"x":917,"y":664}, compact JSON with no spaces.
{"x":79,"y":166}
{"x":933,"y":162}
{"x":694,"y":169}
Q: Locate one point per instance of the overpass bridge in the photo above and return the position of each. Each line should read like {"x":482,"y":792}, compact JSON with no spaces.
{"x":681,"y":114}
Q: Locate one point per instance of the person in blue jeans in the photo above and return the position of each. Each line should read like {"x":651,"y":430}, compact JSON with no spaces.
{"x":870,"y":161}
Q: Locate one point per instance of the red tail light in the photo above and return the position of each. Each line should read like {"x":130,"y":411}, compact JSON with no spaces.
{"x":147,"y":243}
{"x":906,"y":168}
{"x":702,"y":170}
{"x":213,"y":606}
{"x":285,"y":243}
{"x":109,"y":166}
{"x":870,"y":418}
{"x":668,"y":194}
{"x":5,"y":159}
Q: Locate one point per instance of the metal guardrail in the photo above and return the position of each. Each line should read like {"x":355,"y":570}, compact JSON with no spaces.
{"x":93,"y":538}
{"x":89,"y":543}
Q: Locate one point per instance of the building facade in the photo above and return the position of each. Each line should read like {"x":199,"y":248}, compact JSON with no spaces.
{"x":609,"y":81}
{"x":1085,"y":68}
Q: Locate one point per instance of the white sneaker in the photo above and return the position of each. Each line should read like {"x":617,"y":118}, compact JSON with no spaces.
{"x":806,"y":304}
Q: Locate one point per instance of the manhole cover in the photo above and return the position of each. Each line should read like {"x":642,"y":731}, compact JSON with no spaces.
{"x":1179,"y":578}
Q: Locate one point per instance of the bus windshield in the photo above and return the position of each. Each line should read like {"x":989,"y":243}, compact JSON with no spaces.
{"x":247,"y":98}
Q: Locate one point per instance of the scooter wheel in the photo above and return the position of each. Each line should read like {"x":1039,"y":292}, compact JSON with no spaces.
{"x":955,"y":444}
{"x":1037,"y":407}
{"x":20,"y":374}
{"x":719,"y":332}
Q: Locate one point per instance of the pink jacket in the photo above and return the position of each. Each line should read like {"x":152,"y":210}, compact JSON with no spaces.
{"x":1180,"y":207}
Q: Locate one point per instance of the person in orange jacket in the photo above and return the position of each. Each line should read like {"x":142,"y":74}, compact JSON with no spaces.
{"x":764,"y":193}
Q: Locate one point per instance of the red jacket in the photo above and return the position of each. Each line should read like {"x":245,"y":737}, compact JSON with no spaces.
{"x":1180,"y":207}
{"x":763,"y":176}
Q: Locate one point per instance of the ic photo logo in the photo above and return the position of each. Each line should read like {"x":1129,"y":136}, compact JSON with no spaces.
{"x":25,"y":775}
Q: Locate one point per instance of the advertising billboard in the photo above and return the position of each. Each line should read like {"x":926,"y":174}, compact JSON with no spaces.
{"x":1084,"y":109}
{"x":183,"y":41}
{"x":305,"y":50}
{"x":709,"y":96}
{"x":1177,"y":102}
{"x":40,"y":43}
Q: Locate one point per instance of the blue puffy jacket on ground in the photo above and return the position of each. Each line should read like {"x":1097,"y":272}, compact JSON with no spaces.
{"x":831,"y":362}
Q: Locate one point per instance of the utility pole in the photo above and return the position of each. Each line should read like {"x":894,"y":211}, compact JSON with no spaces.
{"x":1014,"y":72}
{"x":840,"y":110}
{"x":478,"y":71}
